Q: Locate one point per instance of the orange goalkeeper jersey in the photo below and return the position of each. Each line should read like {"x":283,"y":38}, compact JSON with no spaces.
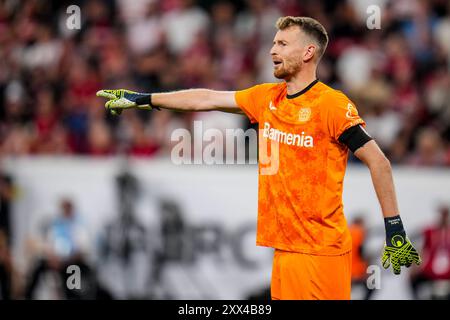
{"x":301,"y":166}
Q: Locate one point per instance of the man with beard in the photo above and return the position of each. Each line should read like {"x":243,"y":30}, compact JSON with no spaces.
{"x":308,"y":128}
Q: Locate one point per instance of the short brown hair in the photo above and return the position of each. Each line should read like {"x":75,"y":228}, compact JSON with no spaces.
{"x":311,"y":27}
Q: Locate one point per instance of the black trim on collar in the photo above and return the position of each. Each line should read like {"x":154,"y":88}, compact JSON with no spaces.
{"x":295,"y":95}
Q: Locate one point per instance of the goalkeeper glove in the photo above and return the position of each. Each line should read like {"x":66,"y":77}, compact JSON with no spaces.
{"x":398,"y":250}
{"x":125,"y":99}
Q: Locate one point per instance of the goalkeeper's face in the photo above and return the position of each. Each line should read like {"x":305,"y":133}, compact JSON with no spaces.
{"x":291,"y":50}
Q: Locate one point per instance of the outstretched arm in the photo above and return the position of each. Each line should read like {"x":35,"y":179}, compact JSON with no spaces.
{"x":197,"y":100}
{"x":184,"y":100}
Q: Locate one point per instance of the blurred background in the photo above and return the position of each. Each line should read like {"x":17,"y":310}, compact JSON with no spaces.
{"x":81,"y":187}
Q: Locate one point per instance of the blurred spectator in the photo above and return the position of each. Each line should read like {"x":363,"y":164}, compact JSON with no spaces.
{"x":45,"y":52}
{"x":149,"y":25}
{"x":359,"y":261}
{"x":17,"y":142}
{"x":142,"y":143}
{"x":99,"y":139}
{"x":162,"y":124}
{"x":131,"y":11}
{"x":429,"y":149}
{"x":50,"y":136}
{"x":66,"y":242}
{"x":6,"y":198}
{"x":255,"y":28}
{"x":383,"y":123}
{"x":435,"y":268}
{"x":183,"y":24}
{"x":5,"y":268}
{"x":354,"y":67}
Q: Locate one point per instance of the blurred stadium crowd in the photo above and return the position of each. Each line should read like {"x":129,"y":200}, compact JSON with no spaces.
{"x":398,"y":75}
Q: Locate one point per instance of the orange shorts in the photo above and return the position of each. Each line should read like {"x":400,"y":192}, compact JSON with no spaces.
{"x":298,"y":276}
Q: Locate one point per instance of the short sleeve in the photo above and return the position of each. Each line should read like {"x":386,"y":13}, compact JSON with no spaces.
{"x":342,"y":114}
{"x":252,"y":100}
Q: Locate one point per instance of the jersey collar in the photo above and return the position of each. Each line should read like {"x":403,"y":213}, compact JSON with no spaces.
{"x":295,"y":95}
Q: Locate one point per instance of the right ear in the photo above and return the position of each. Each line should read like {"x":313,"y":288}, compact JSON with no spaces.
{"x":310,"y":52}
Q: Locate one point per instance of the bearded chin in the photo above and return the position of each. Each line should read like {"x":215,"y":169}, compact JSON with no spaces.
{"x":286,"y":74}
{"x":280,"y":74}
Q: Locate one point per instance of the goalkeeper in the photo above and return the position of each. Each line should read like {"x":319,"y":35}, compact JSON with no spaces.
{"x":310,"y":128}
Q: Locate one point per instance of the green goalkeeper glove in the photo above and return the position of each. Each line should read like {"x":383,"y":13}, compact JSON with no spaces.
{"x":398,"y":250}
{"x":124,"y":99}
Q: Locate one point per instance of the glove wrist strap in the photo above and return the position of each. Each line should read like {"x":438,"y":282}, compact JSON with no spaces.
{"x":146,"y":99}
{"x":393,"y":226}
